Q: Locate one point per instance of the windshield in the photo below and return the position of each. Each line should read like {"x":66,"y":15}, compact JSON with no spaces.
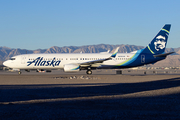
{"x":13,"y":59}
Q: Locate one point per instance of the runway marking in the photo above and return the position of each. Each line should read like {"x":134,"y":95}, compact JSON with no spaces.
{"x":151,"y":93}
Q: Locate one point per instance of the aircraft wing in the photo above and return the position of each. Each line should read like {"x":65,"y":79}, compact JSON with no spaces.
{"x":101,"y":60}
{"x":95,"y":61}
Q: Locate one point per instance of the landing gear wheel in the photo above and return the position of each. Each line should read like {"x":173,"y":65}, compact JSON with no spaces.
{"x":19,"y":72}
{"x":89,"y":72}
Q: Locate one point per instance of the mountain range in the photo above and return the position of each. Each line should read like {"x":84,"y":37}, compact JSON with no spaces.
{"x":172,"y":60}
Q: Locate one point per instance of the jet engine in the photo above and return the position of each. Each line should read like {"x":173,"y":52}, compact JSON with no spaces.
{"x":71,"y":68}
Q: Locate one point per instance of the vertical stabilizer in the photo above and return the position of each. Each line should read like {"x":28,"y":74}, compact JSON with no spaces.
{"x":158,"y":44}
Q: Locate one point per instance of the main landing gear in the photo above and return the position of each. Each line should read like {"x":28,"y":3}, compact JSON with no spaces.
{"x":89,"y":72}
{"x":19,"y":72}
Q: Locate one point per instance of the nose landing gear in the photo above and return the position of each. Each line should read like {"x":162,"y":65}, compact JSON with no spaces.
{"x":19,"y":72}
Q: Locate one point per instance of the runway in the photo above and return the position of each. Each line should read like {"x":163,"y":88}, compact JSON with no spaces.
{"x":103,"y":95}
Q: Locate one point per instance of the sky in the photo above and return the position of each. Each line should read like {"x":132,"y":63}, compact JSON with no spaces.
{"x":41,"y":24}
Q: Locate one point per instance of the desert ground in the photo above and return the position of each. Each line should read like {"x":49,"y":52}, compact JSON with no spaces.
{"x":102,"y":95}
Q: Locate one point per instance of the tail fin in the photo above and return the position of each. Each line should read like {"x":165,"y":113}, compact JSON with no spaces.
{"x":158,"y":44}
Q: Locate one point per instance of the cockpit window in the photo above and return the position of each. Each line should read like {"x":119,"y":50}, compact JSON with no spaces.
{"x":13,"y":59}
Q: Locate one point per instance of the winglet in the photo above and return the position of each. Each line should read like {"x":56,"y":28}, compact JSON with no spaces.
{"x":115,"y":52}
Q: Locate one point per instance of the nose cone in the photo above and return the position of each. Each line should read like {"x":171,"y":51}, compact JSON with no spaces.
{"x":6,"y":63}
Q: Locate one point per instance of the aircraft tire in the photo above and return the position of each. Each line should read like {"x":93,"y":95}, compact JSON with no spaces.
{"x":19,"y":72}
{"x":89,"y":72}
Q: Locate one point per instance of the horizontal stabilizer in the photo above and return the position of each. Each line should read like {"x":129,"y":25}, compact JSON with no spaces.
{"x":163,"y":55}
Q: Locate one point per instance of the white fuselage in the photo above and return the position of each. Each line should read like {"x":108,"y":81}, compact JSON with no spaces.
{"x":59,"y":60}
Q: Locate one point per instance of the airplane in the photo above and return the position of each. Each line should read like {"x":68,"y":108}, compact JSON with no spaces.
{"x":74,"y":62}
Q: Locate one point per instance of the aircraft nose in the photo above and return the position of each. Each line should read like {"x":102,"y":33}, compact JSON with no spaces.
{"x":5,"y":63}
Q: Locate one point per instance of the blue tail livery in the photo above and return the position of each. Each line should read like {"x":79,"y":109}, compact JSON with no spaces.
{"x":152,"y":53}
{"x":158,"y":44}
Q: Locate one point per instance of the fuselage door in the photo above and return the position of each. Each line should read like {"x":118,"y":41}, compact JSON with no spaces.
{"x":142,"y":58}
{"x":23,"y":59}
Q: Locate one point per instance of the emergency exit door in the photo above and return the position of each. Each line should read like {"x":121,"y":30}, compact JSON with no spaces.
{"x":23,"y":60}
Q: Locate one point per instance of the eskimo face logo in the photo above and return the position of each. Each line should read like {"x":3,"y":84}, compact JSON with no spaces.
{"x":160,"y":43}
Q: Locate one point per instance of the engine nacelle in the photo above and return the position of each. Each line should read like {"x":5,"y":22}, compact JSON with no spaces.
{"x":71,"y":68}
